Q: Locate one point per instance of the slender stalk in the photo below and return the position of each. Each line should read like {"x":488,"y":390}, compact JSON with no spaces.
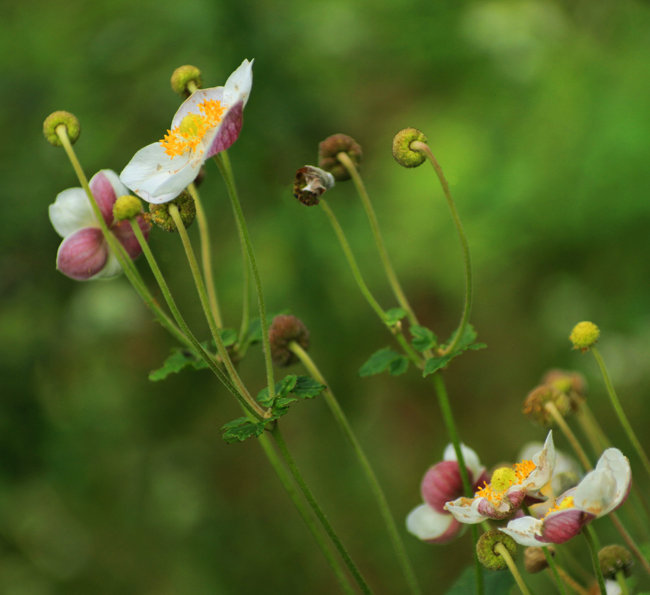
{"x":304,"y":488}
{"x":570,"y":581}
{"x":352,"y":263}
{"x":200,"y":287}
{"x":500,"y":549}
{"x":590,"y":536}
{"x":245,"y":308}
{"x":223,"y":162}
{"x":597,"y":439}
{"x":616,"y":403}
{"x":622,"y":583}
{"x":376,"y":232}
{"x":288,"y":485}
{"x":206,"y":256}
{"x":570,"y":436}
{"x":467,"y":307}
{"x":380,"y":497}
{"x":130,"y":271}
{"x":630,"y":541}
{"x":555,"y":570}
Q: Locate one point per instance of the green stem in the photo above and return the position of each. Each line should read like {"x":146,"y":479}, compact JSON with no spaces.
{"x":242,"y":344}
{"x":570,"y":436}
{"x":304,"y":488}
{"x":380,"y":497}
{"x":554,"y":569}
{"x":252,"y":405}
{"x":590,"y":536}
{"x":206,"y":257}
{"x":622,"y":583}
{"x":500,"y":549}
{"x":464,"y":319}
{"x":376,"y":232}
{"x":223,"y":162}
{"x":304,"y":513}
{"x":616,"y":403}
{"x":130,"y":271}
{"x":570,"y":581}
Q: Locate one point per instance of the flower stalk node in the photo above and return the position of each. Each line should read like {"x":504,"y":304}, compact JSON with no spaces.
{"x":402,"y":151}
{"x":61,"y":118}
{"x":329,"y":149}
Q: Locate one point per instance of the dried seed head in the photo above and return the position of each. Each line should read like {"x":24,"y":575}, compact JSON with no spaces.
{"x":283,"y":330}
{"x":535,"y":404}
{"x":329,"y":149}
{"x":310,"y":183}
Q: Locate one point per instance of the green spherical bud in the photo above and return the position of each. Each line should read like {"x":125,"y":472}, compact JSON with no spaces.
{"x":126,"y":207}
{"x":61,"y":118}
{"x":613,"y":559}
{"x":584,"y":335}
{"x":329,"y":149}
{"x":159,"y":214}
{"x":183,"y":76}
{"x":535,"y":404}
{"x":486,"y":549}
{"x":402,"y":151}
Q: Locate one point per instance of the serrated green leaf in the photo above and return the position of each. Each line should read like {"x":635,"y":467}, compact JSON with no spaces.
{"x":394,"y":315}
{"x":177,"y":361}
{"x":398,"y":366}
{"x":307,"y":388}
{"x":423,"y":338}
{"x":468,"y":337}
{"x":436,"y":363}
{"x":379,"y":362}
{"x":282,"y":388}
{"x":494,"y":583}
{"x":228,"y":336}
{"x":241,"y":429}
{"x":476,"y":346}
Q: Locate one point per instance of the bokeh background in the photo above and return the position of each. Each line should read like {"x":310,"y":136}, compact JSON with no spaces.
{"x":539,"y":112}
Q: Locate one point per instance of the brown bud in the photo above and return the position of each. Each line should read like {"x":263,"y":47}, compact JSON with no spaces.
{"x":331,"y":147}
{"x":284,"y":329}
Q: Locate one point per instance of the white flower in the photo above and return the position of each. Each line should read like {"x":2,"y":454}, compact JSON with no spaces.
{"x":600,"y":491}
{"x":208,"y":122}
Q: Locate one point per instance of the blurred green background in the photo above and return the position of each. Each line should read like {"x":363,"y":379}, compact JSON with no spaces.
{"x":539,"y":112}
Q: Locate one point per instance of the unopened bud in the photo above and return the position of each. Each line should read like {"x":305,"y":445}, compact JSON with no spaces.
{"x":535,"y":560}
{"x":159,"y":214}
{"x":402,"y":151}
{"x":310,"y":183}
{"x":584,"y":335}
{"x":61,"y":118}
{"x":283,"y":330}
{"x":126,"y":207}
{"x":487,"y":554}
{"x":535,"y":405}
{"x":329,"y":149}
{"x":572,"y":384}
{"x":615,"y":558}
{"x":183,"y":76}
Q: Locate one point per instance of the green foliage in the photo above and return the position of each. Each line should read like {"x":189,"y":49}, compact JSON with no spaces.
{"x":495,"y":583}
{"x":382,"y":360}
{"x":241,"y":429}
{"x":466,"y":343}
{"x":423,"y":338}
{"x":394,"y":315}
{"x":177,"y":361}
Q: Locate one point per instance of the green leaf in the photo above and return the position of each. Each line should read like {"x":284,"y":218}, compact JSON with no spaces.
{"x":177,"y":361}
{"x":495,"y":583}
{"x":228,"y":336}
{"x":254,"y":334}
{"x":394,"y":315}
{"x":423,"y":338}
{"x":398,"y":366}
{"x":241,"y":429}
{"x":379,"y":362}
{"x":307,"y":388}
{"x":436,"y":363}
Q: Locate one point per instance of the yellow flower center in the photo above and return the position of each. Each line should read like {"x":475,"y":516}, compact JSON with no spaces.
{"x":565,"y":504}
{"x":502,"y":479}
{"x":193,"y":127}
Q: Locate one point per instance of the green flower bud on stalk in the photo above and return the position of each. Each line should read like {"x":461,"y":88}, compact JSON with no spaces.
{"x":127,"y":207}
{"x":284,"y":329}
{"x":584,"y":335}
{"x":486,"y":552}
{"x":535,"y":404}
{"x":56,"y":119}
{"x":183,"y":76}
{"x":159,"y":214}
{"x":402,"y":151}
{"x":331,"y":147}
{"x":613,"y":559}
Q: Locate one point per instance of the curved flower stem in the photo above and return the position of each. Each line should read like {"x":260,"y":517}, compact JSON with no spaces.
{"x":130,"y":271}
{"x":616,"y":403}
{"x":570,"y":436}
{"x":206,"y":256}
{"x":555,"y":569}
{"x":252,"y":405}
{"x":344,"y":424}
{"x":500,"y":549}
{"x":289,"y":487}
{"x":223,"y":162}
{"x":592,"y":430}
{"x":590,"y":536}
{"x":464,"y":319}
{"x":376,"y":232}
{"x":304,"y":488}
{"x":565,"y":577}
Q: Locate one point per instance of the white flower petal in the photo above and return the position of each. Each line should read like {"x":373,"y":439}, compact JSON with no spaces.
{"x":524,"y":529}
{"x":425,"y":523}
{"x":472,"y":461}
{"x":239,"y":83}
{"x":71,"y":211}
{"x":544,"y":462}
{"x":156,"y":177}
{"x":465,"y":510}
{"x":191,"y":104}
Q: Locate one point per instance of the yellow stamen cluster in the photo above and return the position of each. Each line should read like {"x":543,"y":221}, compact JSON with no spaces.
{"x":524,"y":469}
{"x":563,"y":505}
{"x":502,"y":479}
{"x":193,"y":128}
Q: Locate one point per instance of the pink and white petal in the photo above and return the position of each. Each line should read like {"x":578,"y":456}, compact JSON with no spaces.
{"x":125,"y":235}
{"x":106,"y":188}
{"x":71,"y":211}
{"x":563,"y":525}
{"x":83,"y":254}
{"x":525,"y":531}
{"x":227,"y":132}
{"x":111,"y":270}
{"x":466,"y":510}
{"x":544,"y":462}
{"x":440,"y":484}
{"x":239,"y":83}
{"x":428,"y":525}
{"x":156,"y":177}
{"x":472,"y":461}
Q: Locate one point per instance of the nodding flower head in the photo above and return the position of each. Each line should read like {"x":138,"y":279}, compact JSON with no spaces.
{"x":185,"y":79}
{"x":402,"y":151}
{"x":536,"y":406}
{"x":572,"y":384}
{"x":61,"y":118}
{"x":329,"y":149}
{"x":310,"y":183}
{"x":283,"y":330}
